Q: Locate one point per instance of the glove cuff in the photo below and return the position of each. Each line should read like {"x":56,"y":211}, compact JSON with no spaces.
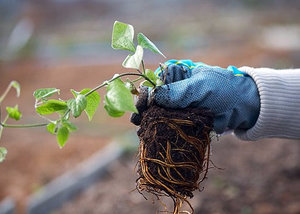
{"x":279,"y":104}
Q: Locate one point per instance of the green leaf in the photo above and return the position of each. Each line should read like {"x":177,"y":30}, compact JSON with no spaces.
{"x":119,"y":98}
{"x":3,"y":153}
{"x":77,"y":105}
{"x":51,"y":106}
{"x":159,"y":82}
{"x":44,"y":92}
{"x":150,"y":74}
{"x":122,"y":36}
{"x":17,"y":86}
{"x":146,"y":43}
{"x":51,"y":127}
{"x":134,"y":61}
{"x":14,"y":113}
{"x":93,"y":101}
{"x":147,"y":83}
{"x":131,"y":87}
{"x":69,"y":125}
{"x":62,"y":136}
{"x":111,"y":111}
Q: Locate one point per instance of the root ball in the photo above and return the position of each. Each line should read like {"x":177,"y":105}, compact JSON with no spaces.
{"x":173,"y":152}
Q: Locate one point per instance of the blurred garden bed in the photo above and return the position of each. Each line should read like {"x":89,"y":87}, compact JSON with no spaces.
{"x":257,"y":178}
{"x":34,"y":158}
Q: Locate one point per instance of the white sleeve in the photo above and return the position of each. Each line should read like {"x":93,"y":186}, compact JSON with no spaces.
{"x":279,"y":92}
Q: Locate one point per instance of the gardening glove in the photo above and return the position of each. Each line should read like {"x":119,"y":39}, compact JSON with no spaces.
{"x":178,"y":73}
{"x":229,"y":93}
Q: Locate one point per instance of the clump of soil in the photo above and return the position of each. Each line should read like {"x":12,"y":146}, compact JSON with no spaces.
{"x":174,"y":152}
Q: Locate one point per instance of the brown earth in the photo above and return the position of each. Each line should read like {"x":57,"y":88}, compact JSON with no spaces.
{"x":257,"y":178}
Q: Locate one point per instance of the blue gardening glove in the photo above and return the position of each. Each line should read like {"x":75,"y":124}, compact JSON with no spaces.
{"x":229,"y":93}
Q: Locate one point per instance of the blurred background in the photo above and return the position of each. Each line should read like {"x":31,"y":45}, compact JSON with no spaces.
{"x":66,"y":44}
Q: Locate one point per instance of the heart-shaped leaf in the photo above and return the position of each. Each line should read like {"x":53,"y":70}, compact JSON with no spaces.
{"x":77,"y":105}
{"x":93,"y":101}
{"x":134,"y":61}
{"x":62,"y":136}
{"x":44,"y":92}
{"x":122,"y":36}
{"x":146,"y":43}
{"x":51,"y":106}
{"x":51,"y":128}
{"x":119,"y":97}
{"x":111,"y":111}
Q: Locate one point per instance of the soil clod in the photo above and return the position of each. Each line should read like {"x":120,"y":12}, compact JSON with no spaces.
{"x":174,"y":152}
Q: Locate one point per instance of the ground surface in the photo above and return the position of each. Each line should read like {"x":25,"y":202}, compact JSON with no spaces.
{"x":258,"y":178}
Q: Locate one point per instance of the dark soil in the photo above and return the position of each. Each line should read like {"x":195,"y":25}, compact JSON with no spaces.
{"x":174,"y":151}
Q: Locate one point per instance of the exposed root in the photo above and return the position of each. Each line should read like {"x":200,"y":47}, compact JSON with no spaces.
{"x":174,"y":151}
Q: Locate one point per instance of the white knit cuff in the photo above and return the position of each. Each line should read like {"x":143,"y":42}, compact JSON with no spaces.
{"x":279,"y":92}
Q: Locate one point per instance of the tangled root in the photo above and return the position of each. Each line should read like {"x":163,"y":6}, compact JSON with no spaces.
{"x":174,"y":152}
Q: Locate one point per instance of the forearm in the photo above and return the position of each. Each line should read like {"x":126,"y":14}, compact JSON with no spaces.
{"x":279,"y":92}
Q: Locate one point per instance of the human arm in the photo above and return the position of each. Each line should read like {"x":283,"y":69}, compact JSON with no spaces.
{"x":279,"y":92}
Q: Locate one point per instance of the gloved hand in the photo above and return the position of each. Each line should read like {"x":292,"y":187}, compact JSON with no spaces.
{"x":231,"y":95}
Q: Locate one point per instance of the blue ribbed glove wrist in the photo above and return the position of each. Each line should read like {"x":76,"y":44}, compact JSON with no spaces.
{"x":231,"y":95}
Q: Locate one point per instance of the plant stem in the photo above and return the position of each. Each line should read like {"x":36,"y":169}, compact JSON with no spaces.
{"x":137,"y":79}
{"x":23,"y":125}
{"x":143,"y":66}
{"x":5,"y":93}
{"x":116,"y":77}
{"x":4,"y":125}
{"x":67,"y":112}
{"x":1,"y":127}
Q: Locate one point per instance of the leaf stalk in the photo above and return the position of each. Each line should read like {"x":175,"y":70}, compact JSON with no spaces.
{"x":116,"y":77}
